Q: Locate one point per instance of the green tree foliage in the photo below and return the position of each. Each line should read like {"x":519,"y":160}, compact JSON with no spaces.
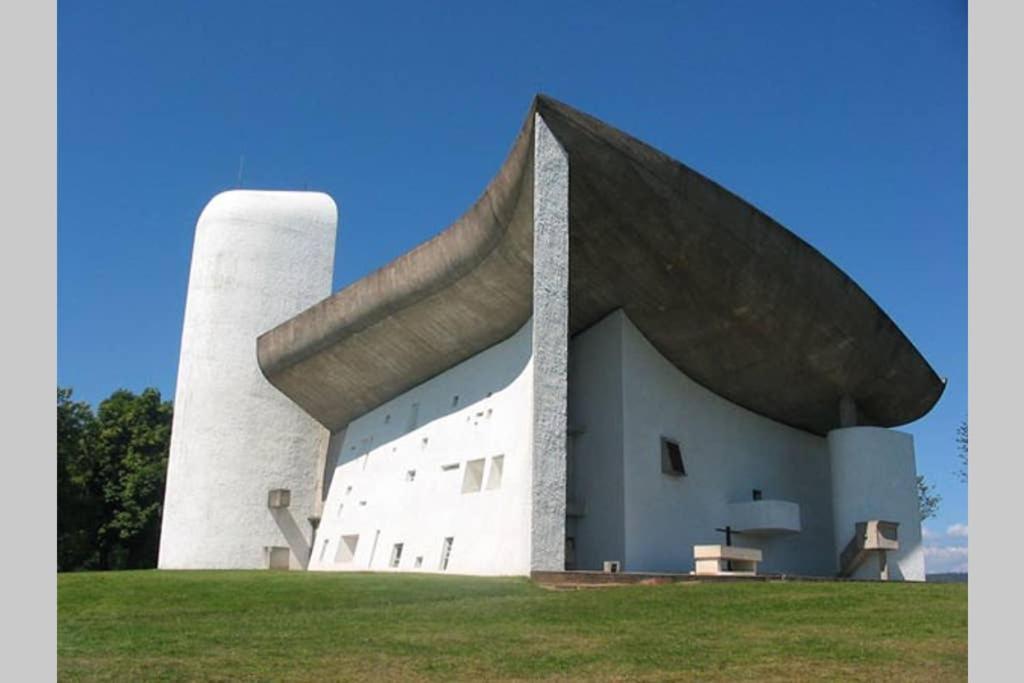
{"x":77,"y":506}
{"x":111,"y":471}
{"x":927,"y":499}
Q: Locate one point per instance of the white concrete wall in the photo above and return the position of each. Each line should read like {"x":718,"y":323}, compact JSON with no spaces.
{"x":874,"y":477}
{"x":370,"y":494}
{"x":596,"y":474}
{"x":258,"y":259}
{"x":727,"y":451}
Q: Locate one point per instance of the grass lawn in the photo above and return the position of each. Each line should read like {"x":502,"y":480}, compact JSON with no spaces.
{"x":299,"y":626}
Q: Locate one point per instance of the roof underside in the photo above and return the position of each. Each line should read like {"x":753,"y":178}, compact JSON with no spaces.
{"x":729,"y":296}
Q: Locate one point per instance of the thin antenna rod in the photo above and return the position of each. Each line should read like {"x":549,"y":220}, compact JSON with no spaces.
{"x":241,"y":165}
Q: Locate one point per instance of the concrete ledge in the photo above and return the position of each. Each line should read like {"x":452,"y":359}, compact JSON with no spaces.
{"x":726,"y":552}
{"x":764,"y":517}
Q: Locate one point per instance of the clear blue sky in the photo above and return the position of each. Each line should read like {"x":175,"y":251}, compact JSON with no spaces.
{"x":847,"y":122}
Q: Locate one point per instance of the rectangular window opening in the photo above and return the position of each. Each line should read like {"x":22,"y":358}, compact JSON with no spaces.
{"x":396,"y":555}
{"x":410,"y":475}
{"x":494,"y":476}
{"x":446,"y":552}
{"x":672,"y":458}
{"x":347,"y":548}
{"x":455,"y":401}
{"x":450,"y":467}
{"x":419,"y":561}
{"x":474,"y":477}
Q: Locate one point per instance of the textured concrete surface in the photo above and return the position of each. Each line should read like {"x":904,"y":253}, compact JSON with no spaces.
{"x":258,"y":259}
{"x":733,"y":299}
{"x":550,"y":348}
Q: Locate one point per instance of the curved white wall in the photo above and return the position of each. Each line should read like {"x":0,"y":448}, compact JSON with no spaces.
{"x":874,"y":477}
{"x":728,"y":451}
{"x":477,"y":410}
{"x":258,"y":259}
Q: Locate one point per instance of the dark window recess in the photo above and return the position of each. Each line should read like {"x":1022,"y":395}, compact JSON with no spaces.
{"x":672,"y":458}
{"x":757,"y":494}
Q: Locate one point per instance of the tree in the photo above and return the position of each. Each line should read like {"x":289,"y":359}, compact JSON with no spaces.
{"x":927,"y":499}
{"x":77,"y":504}
{"x":961,"y":450}
{"x":133,"y":439}
{"x":111,"y":472}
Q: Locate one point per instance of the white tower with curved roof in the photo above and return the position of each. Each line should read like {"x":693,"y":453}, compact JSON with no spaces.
{"x":259,"y":258}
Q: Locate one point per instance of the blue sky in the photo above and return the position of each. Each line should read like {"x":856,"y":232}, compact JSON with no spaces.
{"x":847,"y":122}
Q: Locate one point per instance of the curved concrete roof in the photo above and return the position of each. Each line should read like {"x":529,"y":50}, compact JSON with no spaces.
{"x":732,"y":298}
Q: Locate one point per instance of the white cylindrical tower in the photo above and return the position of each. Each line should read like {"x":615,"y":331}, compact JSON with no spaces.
{"x":874,"y":477}
{"x":258,"y":259}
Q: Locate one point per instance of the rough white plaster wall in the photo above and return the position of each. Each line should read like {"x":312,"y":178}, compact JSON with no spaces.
{"x":258,"y":259}
{"x":595,"y":444}
{"x":550,"y":346}
{"x":491,"y":527}
{"x":727,"y":452}
{"x":874,"y":477}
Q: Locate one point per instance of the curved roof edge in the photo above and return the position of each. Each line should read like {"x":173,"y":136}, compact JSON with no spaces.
{"x":732,"y":298}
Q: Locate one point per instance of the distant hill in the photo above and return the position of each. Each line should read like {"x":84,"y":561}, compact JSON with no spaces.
{"x":947,"y":577}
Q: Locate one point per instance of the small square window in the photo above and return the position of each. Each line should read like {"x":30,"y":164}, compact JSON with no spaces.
{"x":419,"y":561}
{"x":410,"y":475}
{"x":672,"y":458}
{"x":756,"y":494}
{"x":494,"y":477}
{"x":455,"y":401}
{"x":474,"y":477}
{"x":347,"y":548}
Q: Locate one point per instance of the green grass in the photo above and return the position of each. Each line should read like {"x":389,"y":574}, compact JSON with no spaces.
{"x":230,"y":626}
